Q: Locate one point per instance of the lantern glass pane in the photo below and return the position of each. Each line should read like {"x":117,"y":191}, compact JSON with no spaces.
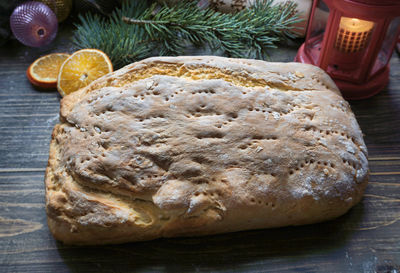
{"x":387,"y":46}
{"x":349,"y":48}
{"x":317,"y":30}
{"x":353,"y":34}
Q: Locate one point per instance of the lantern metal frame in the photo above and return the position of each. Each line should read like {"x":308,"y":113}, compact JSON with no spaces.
{"x":364,"y":80}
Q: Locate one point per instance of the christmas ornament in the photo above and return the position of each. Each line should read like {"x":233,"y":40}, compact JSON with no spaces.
{"x":353,"y":41}
{"x":61,"y":8}
{"x":34,"y":24}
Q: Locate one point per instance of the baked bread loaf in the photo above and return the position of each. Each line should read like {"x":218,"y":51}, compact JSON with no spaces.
{"x":183,"y":146}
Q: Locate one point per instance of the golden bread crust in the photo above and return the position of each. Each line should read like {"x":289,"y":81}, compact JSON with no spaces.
{"x":181,"y":146}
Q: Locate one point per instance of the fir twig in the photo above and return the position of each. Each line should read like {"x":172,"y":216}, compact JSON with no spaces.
{"x":137,"y":30}
{"x":122,"y":43}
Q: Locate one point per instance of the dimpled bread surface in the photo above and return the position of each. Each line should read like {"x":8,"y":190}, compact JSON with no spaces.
{"x":187,"y":146}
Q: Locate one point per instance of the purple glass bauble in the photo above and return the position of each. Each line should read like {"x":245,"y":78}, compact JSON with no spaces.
{"x":34,"y":24}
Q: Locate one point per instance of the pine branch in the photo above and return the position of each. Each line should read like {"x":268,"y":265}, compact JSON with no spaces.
{"x":137,"y":30}
{"x":122,"y":43}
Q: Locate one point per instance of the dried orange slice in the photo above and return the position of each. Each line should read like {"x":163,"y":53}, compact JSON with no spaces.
{"x":81,"y":68}
{"x":44,"y":71}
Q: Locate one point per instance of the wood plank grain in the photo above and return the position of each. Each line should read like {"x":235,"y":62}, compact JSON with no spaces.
{"x":280,"y":246}
{"x":366,"y":239}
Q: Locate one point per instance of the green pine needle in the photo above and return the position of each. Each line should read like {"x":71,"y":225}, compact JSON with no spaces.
{"x":138,"y":30}
{"x":123,"y":43}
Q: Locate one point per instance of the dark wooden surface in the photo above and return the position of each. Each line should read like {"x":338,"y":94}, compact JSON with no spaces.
{"x":367,"y":239}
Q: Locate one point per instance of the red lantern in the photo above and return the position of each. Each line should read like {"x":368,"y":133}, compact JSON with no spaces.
{"x":353,"y":41}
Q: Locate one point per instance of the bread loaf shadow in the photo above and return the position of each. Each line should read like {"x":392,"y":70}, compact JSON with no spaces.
{"x":277,"y":249}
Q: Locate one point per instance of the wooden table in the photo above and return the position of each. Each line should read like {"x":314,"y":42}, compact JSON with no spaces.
{"x":367,"y":239}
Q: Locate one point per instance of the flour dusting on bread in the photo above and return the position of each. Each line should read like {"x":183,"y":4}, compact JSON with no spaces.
{"x":182,"y":146}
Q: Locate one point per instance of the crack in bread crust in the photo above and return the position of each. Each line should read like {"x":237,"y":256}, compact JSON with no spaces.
{"x":201,"y":145}
{"x":206,"y":72}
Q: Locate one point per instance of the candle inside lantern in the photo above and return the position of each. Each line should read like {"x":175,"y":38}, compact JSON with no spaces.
{"x":353,"y":34}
